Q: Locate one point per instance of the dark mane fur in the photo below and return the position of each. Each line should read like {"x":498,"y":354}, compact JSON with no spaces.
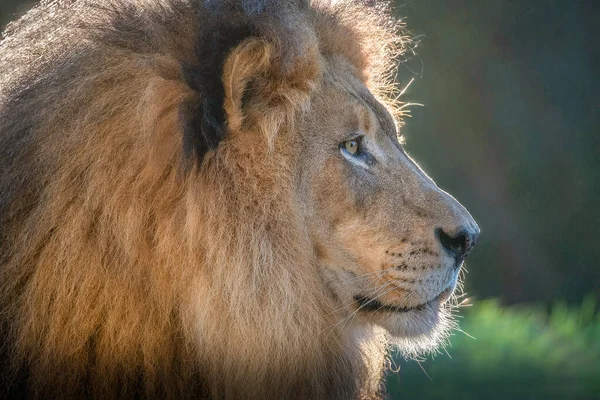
{"x":221,"y":26}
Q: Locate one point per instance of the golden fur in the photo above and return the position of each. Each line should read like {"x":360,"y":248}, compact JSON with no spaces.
{"x":130,"y":270}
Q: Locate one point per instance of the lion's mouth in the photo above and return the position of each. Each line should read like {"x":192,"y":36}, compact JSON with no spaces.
{"x":367,"y":303}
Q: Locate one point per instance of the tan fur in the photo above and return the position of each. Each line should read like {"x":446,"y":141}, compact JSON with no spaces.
{"x":131,"y":275}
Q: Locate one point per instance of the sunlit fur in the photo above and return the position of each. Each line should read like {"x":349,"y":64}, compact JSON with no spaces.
{"x":129,"y":270}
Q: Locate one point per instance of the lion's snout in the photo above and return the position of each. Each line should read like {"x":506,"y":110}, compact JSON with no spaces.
{"x":454,"y":229}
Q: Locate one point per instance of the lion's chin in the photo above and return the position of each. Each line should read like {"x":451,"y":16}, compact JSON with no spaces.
{"x":413,"y":323}
{"x":418,"y":331}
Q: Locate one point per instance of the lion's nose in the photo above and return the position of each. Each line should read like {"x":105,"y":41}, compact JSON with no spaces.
{"x":460,"y":244}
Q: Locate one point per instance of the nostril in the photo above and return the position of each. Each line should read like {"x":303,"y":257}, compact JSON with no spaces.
{"x":459,"y":245}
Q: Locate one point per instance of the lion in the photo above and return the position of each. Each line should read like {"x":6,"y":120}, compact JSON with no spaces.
{"x":209,"y":199}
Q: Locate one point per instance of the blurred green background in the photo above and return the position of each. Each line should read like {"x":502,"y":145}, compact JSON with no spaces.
{"x":511,"y":128}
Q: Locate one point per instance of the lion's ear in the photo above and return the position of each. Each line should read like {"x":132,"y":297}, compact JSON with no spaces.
{"x":249,"y":61}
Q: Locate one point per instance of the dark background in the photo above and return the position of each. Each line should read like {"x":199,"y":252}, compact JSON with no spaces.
{"x":510,"y":126}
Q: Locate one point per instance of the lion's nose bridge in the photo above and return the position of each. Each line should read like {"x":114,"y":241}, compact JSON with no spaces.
{"x":446,"y":213}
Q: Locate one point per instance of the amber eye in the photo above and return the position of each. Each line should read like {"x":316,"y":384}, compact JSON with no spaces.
{"x":352,"y":146}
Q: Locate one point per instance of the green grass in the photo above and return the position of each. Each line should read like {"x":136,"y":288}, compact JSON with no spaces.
{"x":517,"y":353}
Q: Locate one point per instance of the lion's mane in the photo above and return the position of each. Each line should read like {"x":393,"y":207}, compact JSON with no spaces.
{"x":135,"y":261}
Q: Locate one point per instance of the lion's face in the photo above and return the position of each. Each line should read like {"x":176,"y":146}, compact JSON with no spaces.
{"x":389,"y":241}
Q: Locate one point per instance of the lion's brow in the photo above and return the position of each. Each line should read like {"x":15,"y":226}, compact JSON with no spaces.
{"x":386,"y":121}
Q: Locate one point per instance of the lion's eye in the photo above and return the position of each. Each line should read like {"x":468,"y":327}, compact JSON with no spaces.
{"x":352,"y":146}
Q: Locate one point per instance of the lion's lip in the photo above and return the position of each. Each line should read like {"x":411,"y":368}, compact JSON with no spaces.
{"x":367,"y":303}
